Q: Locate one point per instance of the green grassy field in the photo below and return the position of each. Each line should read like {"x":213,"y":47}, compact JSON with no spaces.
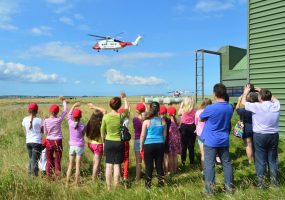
{"x":187,"y":184}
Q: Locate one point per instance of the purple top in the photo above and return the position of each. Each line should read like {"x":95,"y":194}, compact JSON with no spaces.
{"x":137,"y":123}
{"x":265,"y":116}
{"x":76,"y":136}
{"x":52,"y":125}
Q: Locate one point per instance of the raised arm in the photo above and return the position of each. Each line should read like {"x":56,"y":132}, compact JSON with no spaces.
{"x":64,"y":108}
{"x":124,"y":99}
{"x":143,"y":101}
{"x":92,"y":106}
{"x":77,"y":104}
{"x":239,"y":102}
{"x":245,"y":93}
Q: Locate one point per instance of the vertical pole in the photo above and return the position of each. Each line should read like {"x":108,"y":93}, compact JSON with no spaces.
{"x":202,"y":74}
{"x":196,"y":76}
{"x":221,"y":68}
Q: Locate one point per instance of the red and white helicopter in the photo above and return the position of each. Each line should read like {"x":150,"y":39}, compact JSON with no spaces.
{"x":110,"y":43}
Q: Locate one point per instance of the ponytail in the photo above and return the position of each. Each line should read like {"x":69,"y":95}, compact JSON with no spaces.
{"x":76,"y":120}
{"x":34,"y":113}
{"x":175,"y":120}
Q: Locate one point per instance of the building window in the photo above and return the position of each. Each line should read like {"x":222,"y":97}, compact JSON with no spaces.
{"x":235,"y":91}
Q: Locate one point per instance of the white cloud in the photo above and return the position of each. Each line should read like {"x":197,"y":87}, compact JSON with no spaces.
{"x":76,"y":82}
{"x":22,"y":73}
{"x":7,"y":9}
{"x":74,"y":54}
{"x":116,"y":77}
{"x":41,"y":31}
{"x":77,"y":16}
{"x":214,"y":5}
{"x":56,"y":1}
{"x":66,"y":20}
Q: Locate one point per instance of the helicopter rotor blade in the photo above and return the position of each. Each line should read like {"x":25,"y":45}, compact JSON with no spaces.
{"x":118,"y":34}
{"x":98,"y":36}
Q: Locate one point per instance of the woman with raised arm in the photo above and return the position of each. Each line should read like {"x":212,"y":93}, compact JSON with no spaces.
{"x":54,"y":148}
{"x":246,"y":117}
{"x":187,"y":111}
{"x":113,"y":146}
{"x":265,"y":123}
{"x":93,"y":134}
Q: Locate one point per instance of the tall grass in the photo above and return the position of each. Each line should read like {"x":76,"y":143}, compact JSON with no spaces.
{"x":187,"y":184}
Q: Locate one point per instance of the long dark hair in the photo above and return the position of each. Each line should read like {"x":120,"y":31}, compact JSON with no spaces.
{"x":153,"y":111}
{"x":33,"y":113}
{"x":175,"y":120}
{"x":94,"y":125}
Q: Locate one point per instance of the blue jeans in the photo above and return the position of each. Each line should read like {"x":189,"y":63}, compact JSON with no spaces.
{"x":265,"y":151}
{"x":209,"y":167}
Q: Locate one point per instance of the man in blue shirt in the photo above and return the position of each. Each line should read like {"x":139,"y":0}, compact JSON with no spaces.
{"x":215,"y":136}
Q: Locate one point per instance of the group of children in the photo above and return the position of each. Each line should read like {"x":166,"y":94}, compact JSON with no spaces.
{"x":51,"y":147}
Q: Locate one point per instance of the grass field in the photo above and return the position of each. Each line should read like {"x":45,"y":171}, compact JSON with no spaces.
{"x":187,"y":184}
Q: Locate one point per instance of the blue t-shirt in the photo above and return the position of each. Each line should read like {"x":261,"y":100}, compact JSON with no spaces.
{"x":217,"y":119}
{"x":154,"y":133}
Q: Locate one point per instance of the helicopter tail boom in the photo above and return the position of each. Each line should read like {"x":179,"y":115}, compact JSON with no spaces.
{"x":136,"y":42}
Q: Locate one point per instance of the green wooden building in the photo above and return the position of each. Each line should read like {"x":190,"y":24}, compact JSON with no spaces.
{"x":266,"y":48}
{"x":234,"y":69}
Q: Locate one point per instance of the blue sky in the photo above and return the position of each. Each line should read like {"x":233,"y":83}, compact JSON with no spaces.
{"x":45,"y":49}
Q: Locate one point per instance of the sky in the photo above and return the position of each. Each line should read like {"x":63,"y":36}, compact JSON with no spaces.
{"x":45,"y":48}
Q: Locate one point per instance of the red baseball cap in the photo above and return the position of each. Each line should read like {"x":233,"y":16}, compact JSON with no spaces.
{"x":171,"y":110}
{"x":162,"y":110}
{"x":54,"y":108}
{"x":76,"y":113}
{"x":140,"y":107}
{"x":33,"y":107}
{"x":121,"y":110}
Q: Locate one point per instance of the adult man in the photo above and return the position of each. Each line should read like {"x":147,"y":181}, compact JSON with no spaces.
{"x":265,"y":122}
{"x":215,"y":136}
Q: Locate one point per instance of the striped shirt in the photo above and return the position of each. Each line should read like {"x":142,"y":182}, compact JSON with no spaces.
{"x":52,"y":125}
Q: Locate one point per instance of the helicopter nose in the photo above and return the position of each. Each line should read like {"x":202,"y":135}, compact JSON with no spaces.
{"x":96,"y":46}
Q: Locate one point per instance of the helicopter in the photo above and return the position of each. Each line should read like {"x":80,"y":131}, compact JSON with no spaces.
{"x":111,"y":43}
{"x":178,"y":93}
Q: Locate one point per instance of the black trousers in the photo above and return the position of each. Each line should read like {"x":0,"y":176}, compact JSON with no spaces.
{"x":188,"y":138}
{"x":153,"y":153}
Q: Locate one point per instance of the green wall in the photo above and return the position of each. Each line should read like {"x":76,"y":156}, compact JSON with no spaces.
{"x":266,"y":45}
{"x":234,"y":69}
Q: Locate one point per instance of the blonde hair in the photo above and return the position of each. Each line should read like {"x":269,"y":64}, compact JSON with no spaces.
{"x":204,"y":103}
{"x":188,"y":104}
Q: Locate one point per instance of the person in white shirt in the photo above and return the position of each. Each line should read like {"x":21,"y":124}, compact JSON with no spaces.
{"x":33,"y":129}
{"x":265,"y":122}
